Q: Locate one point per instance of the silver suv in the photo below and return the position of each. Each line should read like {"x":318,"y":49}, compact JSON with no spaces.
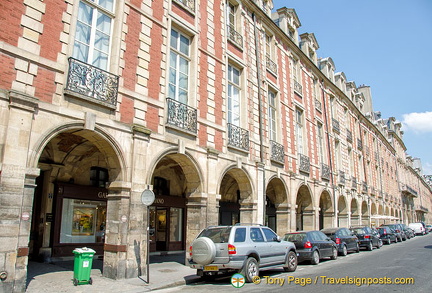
{"x":240,"y":248}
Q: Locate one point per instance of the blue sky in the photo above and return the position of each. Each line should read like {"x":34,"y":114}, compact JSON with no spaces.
{"x":387,"y":45}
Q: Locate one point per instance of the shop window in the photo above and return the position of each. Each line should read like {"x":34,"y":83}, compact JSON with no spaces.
{"x":98,"y":176}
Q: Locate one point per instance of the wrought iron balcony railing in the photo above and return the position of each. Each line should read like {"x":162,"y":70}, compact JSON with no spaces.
{"x":189,"y":4}
{"x":92,"y":83}
{"x":270,"y":65}
{"x":353,"y":183}
{"x":407,"y":190}
{"x":318,"y":105}
{"x":341,"y":177}
{"x":336,"y":125}
{"x":277,"y":152}
{"x":298,"y":88}
{"x":182,"y":116}
{"x":325,"y":172}
{"x":349,"y":136}
{"x":304,"y":164}
{"x":365,"y":187}
{"x":234,"y":36}
{"x":238,"y":137}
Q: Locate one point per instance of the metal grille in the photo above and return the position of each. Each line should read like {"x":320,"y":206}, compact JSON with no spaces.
{"x":304,"y":164}
{"x":277,"y":152}
{"x":190,"y":4}
{"x":182,"y":116}
{"x":238,"y":137}
{"x":234,"y":36}
{"x":325,"y":172}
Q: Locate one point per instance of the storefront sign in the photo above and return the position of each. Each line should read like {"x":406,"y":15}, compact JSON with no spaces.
{"x":49,"y":217}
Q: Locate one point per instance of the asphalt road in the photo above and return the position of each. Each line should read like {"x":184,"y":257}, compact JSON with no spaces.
{"x":408,"y":262}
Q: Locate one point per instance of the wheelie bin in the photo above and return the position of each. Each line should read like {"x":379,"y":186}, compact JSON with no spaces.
{"x":83,"y":262}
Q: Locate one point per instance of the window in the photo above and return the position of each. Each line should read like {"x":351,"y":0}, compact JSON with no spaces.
{"x":93,"y":32}
{"x":98,"y":176}
{"x":268,"y":40}
{"x":231,"y":15}
{"x":270,"y":235}
{"x":240,"y":235}
{"x":256,"y":235}
{"x":337,"y":155}
{"x":321,"y":152}
{"x":272,"y":114}
{"x":299,"y":131}
{"x":179,"y":67}
{"x":233,"y":95}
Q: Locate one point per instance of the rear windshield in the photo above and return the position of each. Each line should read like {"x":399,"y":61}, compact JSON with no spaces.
{"x":295,"y":237}
{"x":217,"y":234}
{"x":358,"y":231}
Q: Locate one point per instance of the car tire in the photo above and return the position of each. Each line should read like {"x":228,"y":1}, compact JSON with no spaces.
{"x":370,"y":246}
{"x":344,"y":251}
{"x":380,"y":243}
{"x":291,"y":262}
{"x":334,"y":254}
{"x":250,"y":269}
{"x":203,"y":250}
{"x":315,"y":257}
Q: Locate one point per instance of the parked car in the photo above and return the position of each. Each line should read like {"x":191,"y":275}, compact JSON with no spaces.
{"x":396,"y":231}
{"x":344,"y":239}
{"x":240,"y":248}
{"x":418,"y":228}
{"x":408,"y":232}
{"x":429,"y":228}
{"x":367,"y":237}
{"x":312,"y":246}
{"x":387,"y":235}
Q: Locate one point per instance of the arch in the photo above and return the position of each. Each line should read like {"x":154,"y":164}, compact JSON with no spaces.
{"x":326,"y":210}
{"x":276,"y":205}
{"x":304,"y":209}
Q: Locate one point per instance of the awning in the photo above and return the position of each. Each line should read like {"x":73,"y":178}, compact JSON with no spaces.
{"x":383,"y":217}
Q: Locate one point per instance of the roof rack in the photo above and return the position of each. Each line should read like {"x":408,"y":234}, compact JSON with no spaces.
{"x":248,"y":224}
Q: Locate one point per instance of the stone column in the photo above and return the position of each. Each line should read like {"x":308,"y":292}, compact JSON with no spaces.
{"x":17,"y":185}
{"x":282,"y":219}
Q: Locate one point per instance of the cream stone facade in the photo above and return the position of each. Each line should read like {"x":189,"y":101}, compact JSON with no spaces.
{"x":219,"y":107}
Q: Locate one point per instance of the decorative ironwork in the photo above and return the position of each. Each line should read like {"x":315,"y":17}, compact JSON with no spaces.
{"x":318,"y":105}
{"x":277,"y":152}
{"x":407,"y":190}
{"x":92,"y":82}
{"x":270,"y":65}
{"x":238,"y":137}
{"x":182,"y":116}
{"x":349,"y":136}
{"x":304,"y":164}
{"x":359,"y":144}
{"x":353,"y":183}
{"x":189,"y":4}
{"x":234,"y":36}
{"x":365,"y":187}
{"x":367,"y":151}
{"x":325,"y":172}
{"x":341,"y":177}
{"x":298,"y":88}
{"x":336,"y":125}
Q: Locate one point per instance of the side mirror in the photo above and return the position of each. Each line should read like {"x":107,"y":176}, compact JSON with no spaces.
{"x":277,"y":239}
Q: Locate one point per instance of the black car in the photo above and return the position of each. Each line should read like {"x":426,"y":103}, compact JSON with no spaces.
{"x":367,"y":237}
{"x":397,"y":230}
{"x":312,"y":246}
{"x":344,"y":239}
{"x":387,"y":235}
{"x":408,"y":231}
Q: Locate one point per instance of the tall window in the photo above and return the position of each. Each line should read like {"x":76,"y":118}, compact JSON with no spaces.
{"x":272,"y":114}
{"x":268,"y":40}
{"x":93,"y":32}
{"x":179,"y":67}
{"x":320,"y":143}
{"x":233,"y":95}
{"x":299,"y":131}
{"x":231,"y":15}
{"x":337,"y":155}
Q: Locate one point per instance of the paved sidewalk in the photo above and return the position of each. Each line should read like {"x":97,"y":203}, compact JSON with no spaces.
{"x":165,"y":271}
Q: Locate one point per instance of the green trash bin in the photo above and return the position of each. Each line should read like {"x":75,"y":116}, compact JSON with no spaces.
{"x":82,"y":265}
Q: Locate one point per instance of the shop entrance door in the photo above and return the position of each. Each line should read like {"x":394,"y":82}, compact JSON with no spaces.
{"x":161,"y":229}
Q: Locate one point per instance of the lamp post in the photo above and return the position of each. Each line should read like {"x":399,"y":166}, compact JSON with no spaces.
{"x":147,"y":198}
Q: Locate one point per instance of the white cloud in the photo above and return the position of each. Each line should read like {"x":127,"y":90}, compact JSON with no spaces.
{"x":427,"y":168}
{"x":418,"y":122}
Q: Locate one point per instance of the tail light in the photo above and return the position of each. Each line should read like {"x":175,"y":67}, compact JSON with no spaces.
{"x":308,"y":244}
{"x":367,"y":236}
{"x":385,"y":232}
{"x":231,"y":249}
{"x":190,"y":251}
{"x":338,"y":241}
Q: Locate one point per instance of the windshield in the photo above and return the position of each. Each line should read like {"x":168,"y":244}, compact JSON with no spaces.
{"x":295,"y":237}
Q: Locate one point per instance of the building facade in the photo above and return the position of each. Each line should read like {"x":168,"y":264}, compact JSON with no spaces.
{"x":220,"y":107}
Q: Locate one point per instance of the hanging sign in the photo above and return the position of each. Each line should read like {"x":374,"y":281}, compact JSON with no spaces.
{"x":147,"y":197}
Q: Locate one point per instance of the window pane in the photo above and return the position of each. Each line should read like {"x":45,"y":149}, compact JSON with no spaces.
{"x":80,"y":52}
{"x":100,"y":60}
{"x":103,"y":23}
{"x":107,"y":4}
{"x":102,"y":42}
{"x":184,"y":45}
{"x":82,"y":33}
{"x":85,"y":13}
{"x":174,"y":39}
{"x":184,"y":66}
{"x":176,"y":224}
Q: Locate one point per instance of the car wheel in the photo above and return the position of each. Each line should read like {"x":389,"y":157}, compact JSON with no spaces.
{"x":380,"y":243}
{"x":344,"y":251}
{"x":315,"y":258}
{"x":358,"y":248}
{"x":370,"y":246}
{"x":291,"y":262}
{"x":203,"y":250}
{"x":334,"y":254}
{"x":250,"y":269}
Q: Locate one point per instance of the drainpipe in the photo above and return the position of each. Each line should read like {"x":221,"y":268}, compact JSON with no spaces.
{"x":260,"y":106}
{"x":328,"y":149}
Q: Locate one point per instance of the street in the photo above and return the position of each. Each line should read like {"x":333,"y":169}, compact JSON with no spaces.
{"x":408,"y":263}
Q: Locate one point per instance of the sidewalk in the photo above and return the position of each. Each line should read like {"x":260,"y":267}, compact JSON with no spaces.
{"x":165,"y":271}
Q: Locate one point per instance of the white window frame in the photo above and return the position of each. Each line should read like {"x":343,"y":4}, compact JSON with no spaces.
{"x":272,"y":114}
{"x":321,"y":147}
{"x":234,"y":95}
{"x":96,"y":12}
{"x":299,"y":131}
{"x":178,"y":55}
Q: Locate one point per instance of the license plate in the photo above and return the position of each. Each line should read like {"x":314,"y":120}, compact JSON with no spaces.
{"x":211,"y":268}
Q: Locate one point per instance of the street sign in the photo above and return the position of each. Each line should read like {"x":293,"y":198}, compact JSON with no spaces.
{"x":147,"y":197}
